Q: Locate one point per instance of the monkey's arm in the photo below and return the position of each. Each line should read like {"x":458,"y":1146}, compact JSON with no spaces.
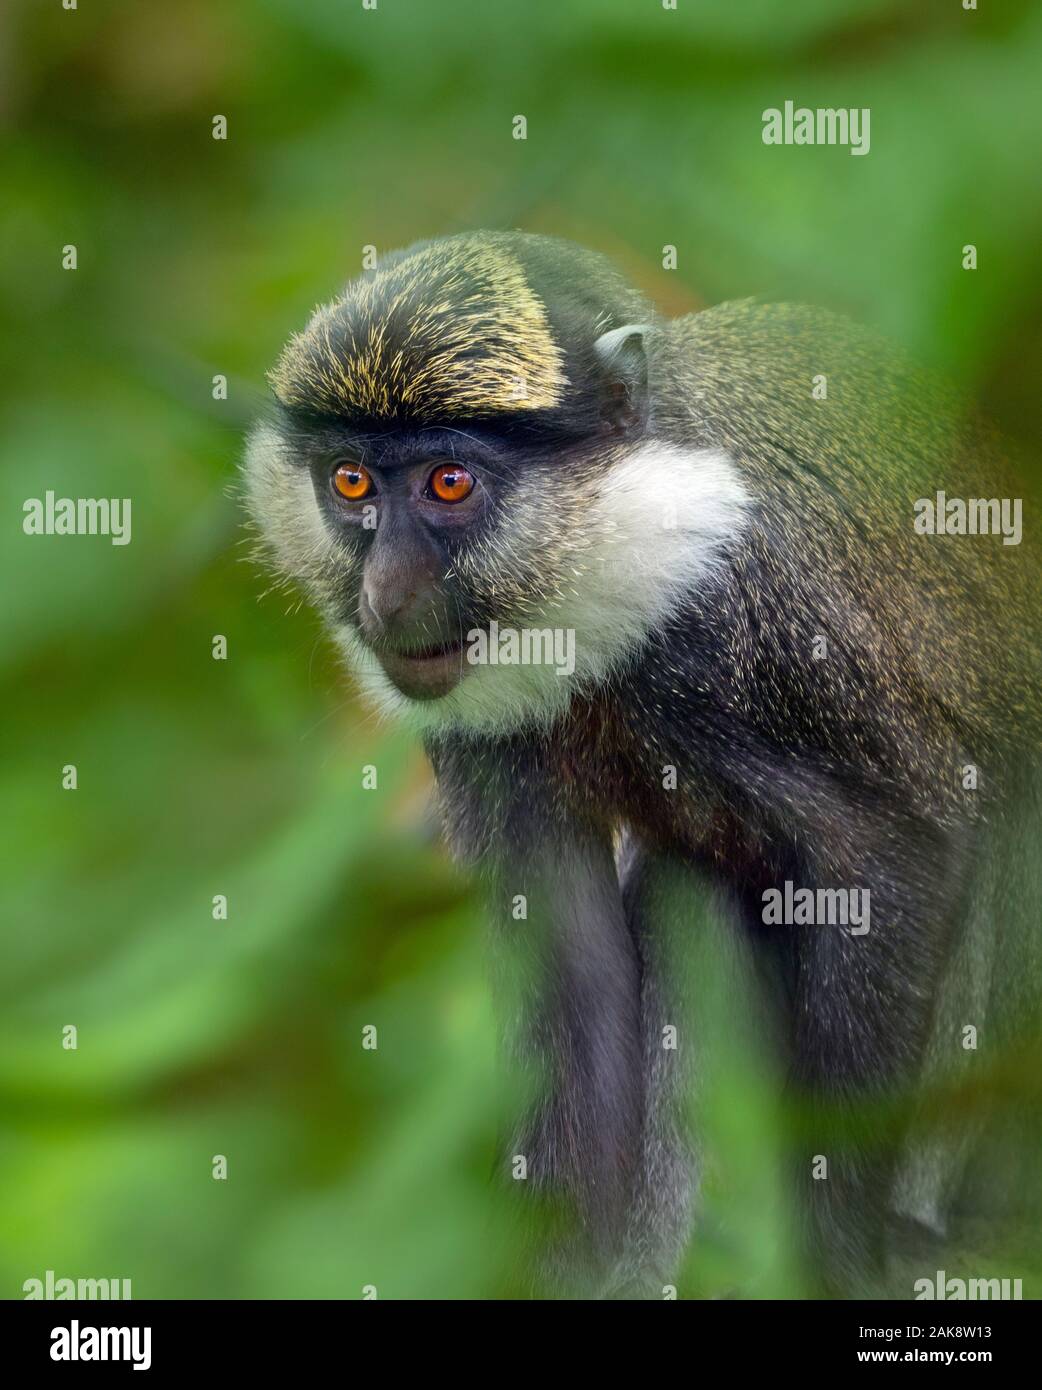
{"x":570,"y":972}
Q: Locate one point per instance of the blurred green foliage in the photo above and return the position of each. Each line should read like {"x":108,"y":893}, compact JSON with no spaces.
{"x":244,"y":777}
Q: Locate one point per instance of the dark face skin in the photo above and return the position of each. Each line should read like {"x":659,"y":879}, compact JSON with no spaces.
{"x":409,"y":503}
{"x":415,"y":498}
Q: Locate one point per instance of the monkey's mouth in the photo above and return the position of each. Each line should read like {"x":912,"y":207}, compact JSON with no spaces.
{"x":425,"y":673}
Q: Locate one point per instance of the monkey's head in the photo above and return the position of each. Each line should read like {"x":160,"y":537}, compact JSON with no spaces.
{"x":465,"y":438}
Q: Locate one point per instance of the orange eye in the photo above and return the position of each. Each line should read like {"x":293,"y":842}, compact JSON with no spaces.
{"x":352,"y":481}
{"x":450,"y":483}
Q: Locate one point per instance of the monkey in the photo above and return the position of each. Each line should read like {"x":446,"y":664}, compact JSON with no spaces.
{"x":779,"y":678}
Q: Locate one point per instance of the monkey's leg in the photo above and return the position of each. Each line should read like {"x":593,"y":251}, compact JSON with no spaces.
{"x":569,"y":992}
{"x":968,"y":1175}
{"x":861,"y":1012}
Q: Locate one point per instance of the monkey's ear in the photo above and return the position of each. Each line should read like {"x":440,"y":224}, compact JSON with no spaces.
{"x":621,"y":352}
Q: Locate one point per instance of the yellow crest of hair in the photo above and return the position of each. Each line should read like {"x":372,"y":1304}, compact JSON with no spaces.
{"x":451,"y":329}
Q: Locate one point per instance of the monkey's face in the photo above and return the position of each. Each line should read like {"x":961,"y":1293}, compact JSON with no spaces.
{"x":480,"y":514}
{"x":393,"y":537}
{"x":427,"y":549}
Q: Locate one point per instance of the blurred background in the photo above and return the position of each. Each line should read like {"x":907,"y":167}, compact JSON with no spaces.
{"x":346,"y":127}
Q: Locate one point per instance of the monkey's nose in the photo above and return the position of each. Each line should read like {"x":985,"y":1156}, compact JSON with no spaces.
{"x":383,"y":606}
